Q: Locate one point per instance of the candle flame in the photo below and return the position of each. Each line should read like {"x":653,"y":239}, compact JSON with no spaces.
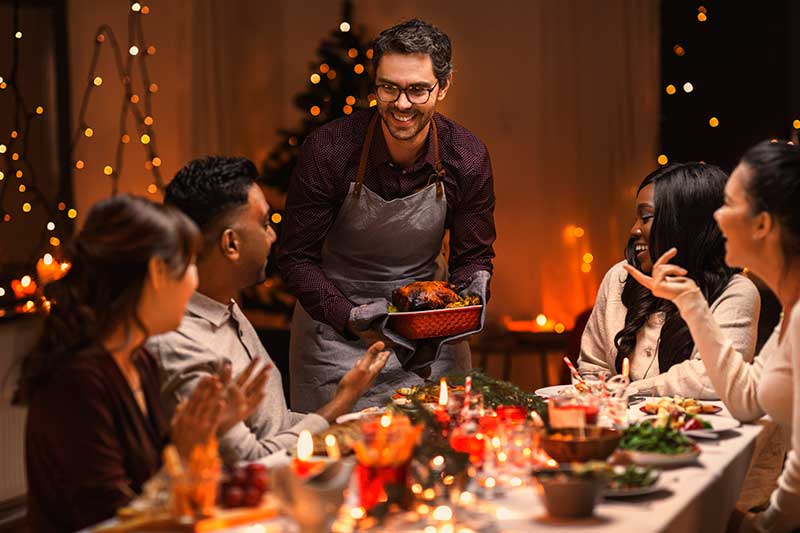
{"x":386,"y":420}
{"x":305,"y":445}
{"x":332,"y":447}
{"x":443,"y":392}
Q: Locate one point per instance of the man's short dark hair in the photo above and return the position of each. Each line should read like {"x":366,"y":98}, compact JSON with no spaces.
{"x":206,"y":189}
{"x":416,"y":36}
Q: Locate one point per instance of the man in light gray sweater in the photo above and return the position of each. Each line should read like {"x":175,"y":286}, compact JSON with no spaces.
{"x":221,"y":195}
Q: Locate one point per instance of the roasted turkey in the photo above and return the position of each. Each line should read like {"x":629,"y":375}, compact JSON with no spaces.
{"x":424,"y":296}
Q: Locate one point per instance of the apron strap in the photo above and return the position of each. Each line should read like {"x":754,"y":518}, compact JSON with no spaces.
{"x":437,"y":166}
{"x":362,"y":163}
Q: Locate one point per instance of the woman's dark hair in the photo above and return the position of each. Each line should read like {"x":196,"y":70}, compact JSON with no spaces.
{"x":102,"y":289}
{"x":774,"y":187}
{"x":416,"y":37}
{"x":685,"y":197}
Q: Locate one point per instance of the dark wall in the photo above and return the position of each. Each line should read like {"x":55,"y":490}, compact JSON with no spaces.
{"x":745,"y":70}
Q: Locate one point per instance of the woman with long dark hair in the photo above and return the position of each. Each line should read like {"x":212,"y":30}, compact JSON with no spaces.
{"x":95,"y":428}
{"x":760,"y":221}
{"x":674,"y":208}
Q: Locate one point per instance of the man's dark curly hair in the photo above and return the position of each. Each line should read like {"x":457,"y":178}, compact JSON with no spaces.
{"x":416,"y":36}
{"x":207,"y":189}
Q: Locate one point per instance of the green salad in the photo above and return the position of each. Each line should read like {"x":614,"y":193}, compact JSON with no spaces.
{"x":645,"y":437}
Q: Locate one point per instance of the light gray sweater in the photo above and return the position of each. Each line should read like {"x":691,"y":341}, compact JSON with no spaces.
{"x":209,"y":333}
{"x":736,"y":312}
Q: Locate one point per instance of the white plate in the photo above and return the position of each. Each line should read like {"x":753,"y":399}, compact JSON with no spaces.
{"x":654,"y":486}
{"x":718,"y":423}
{"x":552,"y":391}
{"x":360,"y":414}
{"x":663,"y":459}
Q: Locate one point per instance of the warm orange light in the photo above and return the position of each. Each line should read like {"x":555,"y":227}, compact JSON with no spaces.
{"x":345,"y":27}
{"x":579,"y":232}
{"x":588,"y":258}
{"x":679,"y":50}
{"x":662,"y":160}
{"x":133,"y":50}
{"x":586,"y":268}
{"x":145,"y":10}
{"x":98,"y":81}
{"x":315,"y":78}
{"x":347,"y":109}
{"x":324,"y":68}
{"x":151,"y":50}
{"x":134,"y":98}
{"x":305,"y":445}
{"x":55,"y":241}
{"x":72,"y":213}
{"x":370,"y":53}
{"x":315,"y":110}
{"x":702,"y":17}
{"x":61,"y":206}
{"x":39,"y":110}
{"x":145,"y":138}
{"x":153,"y":87}
{"x":156,"y":161}
{"x":350,"y":100}
{"x":713,"y":122}
{"x":359,"y":68}
{"x":541,"y":320}
{"x":559,"y":328}
{"x":79,"y":164}
{"x":26,"y":207}
{"x":796,"y":124}
{"x":126,"y":139}
{"x":14,"y":134}
{"x":88,"y":132}
{"x":352,"y":53}
{"x":670,"y":89}
{"x":18,"y":174}
{"x":331,"y":74}
{"x":443,"y":398}
{"x":21,"y":187}
{"x":152,"y":188}
{"x":148,"y":120}
{"x":107,"y":170}
{"x":276,"y":218}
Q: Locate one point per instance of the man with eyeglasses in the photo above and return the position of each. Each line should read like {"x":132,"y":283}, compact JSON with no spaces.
{"x":367,"y":210}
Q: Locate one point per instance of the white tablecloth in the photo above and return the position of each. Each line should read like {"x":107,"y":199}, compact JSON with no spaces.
{"x":699,"y":497}
{"x":695,"y":498}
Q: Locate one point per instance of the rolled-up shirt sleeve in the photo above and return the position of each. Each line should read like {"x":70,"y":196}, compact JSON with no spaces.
{"x":311,"y":208}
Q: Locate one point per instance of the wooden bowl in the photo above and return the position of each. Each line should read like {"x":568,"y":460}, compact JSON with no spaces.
{"x":568,"y":445}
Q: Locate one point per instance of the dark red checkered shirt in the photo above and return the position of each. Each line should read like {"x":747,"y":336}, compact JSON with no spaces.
{"x":328,"y":164}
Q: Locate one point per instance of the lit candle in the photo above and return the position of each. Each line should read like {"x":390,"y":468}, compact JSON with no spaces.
{"x":332,"y":447}
{"x":441,"y":410}
{"x":443,"y":398}
{"x":626,"y":367}
{"x":303,"y":465}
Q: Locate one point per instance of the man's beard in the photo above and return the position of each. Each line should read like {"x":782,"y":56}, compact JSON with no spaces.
{"x":418,"y":121}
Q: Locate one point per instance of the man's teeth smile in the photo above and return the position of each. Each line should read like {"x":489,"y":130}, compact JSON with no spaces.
{"x":402,"y":118}
{"x":640,"y":248}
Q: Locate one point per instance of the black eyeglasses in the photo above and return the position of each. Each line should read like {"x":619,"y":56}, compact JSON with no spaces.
{"x":416,"y":94}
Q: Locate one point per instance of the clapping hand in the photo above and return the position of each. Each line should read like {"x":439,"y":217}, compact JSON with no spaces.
{"x":667,"y":281}
{"x":242,"y":395}
{"x":196,"y":418}
{"x":359,"y":378}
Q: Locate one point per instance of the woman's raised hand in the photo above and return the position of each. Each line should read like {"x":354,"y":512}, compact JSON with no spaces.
{"x":667,"y":281}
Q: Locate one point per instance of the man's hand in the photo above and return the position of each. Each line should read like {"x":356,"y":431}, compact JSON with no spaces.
{"x":668,"y":281}
{"x":356,"y":382}
{"x":242,"y":395}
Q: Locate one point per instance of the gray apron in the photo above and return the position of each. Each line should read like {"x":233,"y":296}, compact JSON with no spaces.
{"x":373,"y":247}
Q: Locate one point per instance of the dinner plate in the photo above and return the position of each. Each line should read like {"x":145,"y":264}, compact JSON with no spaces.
{"x":633,"y":491}
{"x":718,"y":423}
{"x":664,"y":459}
{"x":552,"y":391}
{"x":360,"y":414}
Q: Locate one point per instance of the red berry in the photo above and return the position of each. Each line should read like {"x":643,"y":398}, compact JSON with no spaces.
{"x":232,"y":496}
{"x":255,"y":468}
{"x":259,"y":480}
{"x":252,"y":497}
{"x":239,"y":477}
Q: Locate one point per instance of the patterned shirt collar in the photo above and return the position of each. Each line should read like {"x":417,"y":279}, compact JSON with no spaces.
{"x":379,"y":151}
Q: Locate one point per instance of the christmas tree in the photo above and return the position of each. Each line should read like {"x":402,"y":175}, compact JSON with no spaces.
{"x":339,"y":83}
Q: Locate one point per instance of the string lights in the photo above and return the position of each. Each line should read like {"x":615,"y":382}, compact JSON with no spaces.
{"x":130,"y":64}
